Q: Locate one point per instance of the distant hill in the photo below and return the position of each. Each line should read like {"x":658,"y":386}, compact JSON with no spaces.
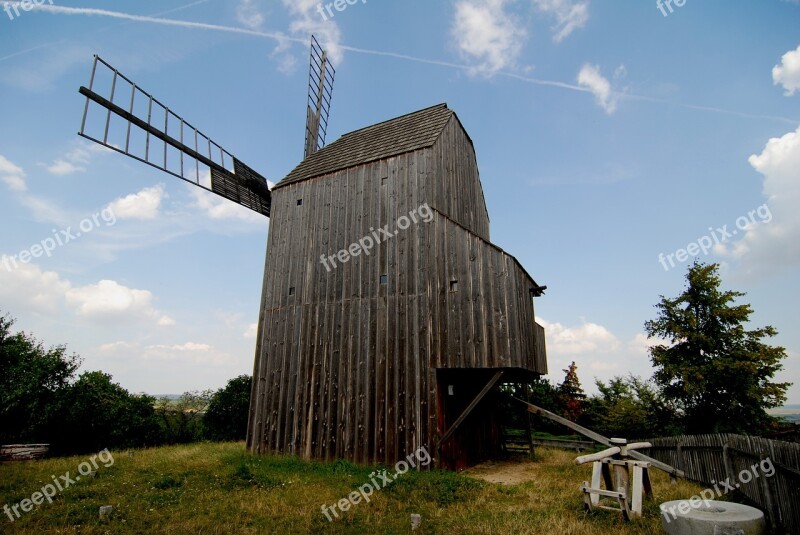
{"x":789,"y":412}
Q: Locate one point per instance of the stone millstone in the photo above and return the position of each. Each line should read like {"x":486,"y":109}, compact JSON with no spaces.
{"x":711,"y":518}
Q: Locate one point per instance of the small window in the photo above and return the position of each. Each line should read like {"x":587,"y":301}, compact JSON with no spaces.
{"x":299,"y":202}
{"x":384,"y":279}
{"x":384,"y":180}
{"x":291,"y":290}
{"x":453,"y":286}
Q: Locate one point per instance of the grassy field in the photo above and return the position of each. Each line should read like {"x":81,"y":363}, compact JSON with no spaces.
{"x":218,"y":488}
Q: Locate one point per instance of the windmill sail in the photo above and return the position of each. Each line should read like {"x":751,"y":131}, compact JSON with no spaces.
{"x":121,"y":116}
{"x":320,"y":93}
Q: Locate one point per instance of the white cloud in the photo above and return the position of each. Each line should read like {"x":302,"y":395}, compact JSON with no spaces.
{"x":588,"y":338}
{"x":641,"y":343}
{"x":306,"y":20}
{"x":487,"y":34}
{"x":117,"y":346}
{"x":591,"y":78}
{"x":252,"y":331}
{"x":597,"y":351}
{"x":108,"y":298}
{"x":75,"y":160}
{"x":192,"y":353}
{"x":775,"y":243}
{"x":216,"y":207}
{"x":142,"y":205}
{"x":168,"y":354}
{"x":43,"y":210}
{"x":570,"y":15}
{"x":788,"y":72}
{"x":248,"y":14}
{"x":64,"y":167}
{"x":27,"y":287}
{"x":165,"y":321}
{"x":12,"y":175}
{"x":46,"y":211}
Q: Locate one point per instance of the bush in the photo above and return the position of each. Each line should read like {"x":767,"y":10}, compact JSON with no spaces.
{"x":96,"y":413}
{"x":31,"y":378}
{"x":226,"y":417}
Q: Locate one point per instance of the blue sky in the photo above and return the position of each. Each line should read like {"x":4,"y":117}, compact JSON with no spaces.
{"x":607,"y":134}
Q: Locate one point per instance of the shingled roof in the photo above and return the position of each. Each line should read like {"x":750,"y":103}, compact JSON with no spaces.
{"x":414,"y":131}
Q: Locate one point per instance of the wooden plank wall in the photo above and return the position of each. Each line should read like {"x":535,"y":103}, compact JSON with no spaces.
{"x":487,"y":321}
{"x":707,"y":458}
{"x":458,"y":192}
{"x":342,"y":366}
{"x":345,"y":365}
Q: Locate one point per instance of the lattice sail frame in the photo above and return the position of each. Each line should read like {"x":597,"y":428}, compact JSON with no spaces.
{"x":170,"y":143}
{"x":320,"y":93}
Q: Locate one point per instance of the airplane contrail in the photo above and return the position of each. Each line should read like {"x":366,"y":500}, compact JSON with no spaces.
{"x":283,"y":38}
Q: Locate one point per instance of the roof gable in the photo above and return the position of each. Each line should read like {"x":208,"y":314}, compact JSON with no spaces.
{"x":413,"y":131}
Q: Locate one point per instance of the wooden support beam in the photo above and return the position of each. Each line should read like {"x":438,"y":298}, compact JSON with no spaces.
{"x":602,"y":492}
{"x":592,"y":457}
{"x":474,"y":403}
{"x":601,"y":439}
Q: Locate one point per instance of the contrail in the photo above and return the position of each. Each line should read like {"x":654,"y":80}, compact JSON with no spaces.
{"x":46,"y":45}
{"x":282,"y":38}
{"x":167,"y":22}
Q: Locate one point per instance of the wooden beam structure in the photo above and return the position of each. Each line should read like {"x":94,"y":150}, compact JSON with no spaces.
{"x":601,"y":439}
{"x":474,"y":403}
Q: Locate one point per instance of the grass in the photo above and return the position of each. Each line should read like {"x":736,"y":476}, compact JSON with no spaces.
{"x":219,"y":488}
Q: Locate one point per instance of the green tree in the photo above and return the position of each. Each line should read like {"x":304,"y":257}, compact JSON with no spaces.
{"x":96,"y":413}
{"x":630,"y":407}
{"x":544,"y":394}
{"x":226,"y":417}
{"x":718,"y":373}
{"x":572,"y":396}
{"x":181,"y":420}
{"x":31,"y":378}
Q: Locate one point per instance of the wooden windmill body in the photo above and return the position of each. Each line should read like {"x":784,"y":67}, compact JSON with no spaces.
{"x":371,"y":352}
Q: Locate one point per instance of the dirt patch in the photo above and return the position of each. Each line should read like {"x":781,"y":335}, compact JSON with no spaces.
{"x":504,"y":472}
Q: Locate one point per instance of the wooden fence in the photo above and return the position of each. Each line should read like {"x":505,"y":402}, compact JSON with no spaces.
{"x":521,"y":443}
{"x":22,"y":452}
{"x":765,"y":471}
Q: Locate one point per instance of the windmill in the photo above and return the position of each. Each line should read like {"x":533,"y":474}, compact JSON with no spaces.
{"x":366,"y":357}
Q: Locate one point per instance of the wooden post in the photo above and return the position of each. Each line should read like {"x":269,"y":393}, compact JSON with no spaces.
{"x":639,"y":485}
{"x":769,"y":504}
{"x":607,"y":477}
{"x":597,"y":471}
{"x":528,"y":427}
